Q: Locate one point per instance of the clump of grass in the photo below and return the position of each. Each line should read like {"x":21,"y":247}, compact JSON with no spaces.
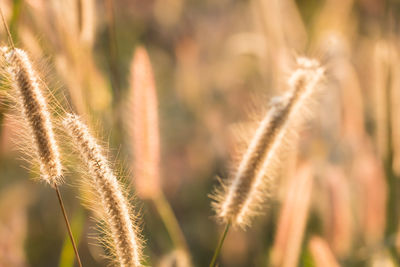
{"x":122,"y":233}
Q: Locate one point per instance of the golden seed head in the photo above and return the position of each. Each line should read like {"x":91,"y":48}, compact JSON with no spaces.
{"x":240,"y":199}
{"x":123,"y":231}
{"x":145,"y":130}
{"x":35,"y":111}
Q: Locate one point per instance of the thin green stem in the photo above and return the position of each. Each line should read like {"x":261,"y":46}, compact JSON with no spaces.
{"x":220,"y":243}
{"x":171,"y":223}
{"x":67,"y":257}
{"x":113,"y":50}
{"x":16,"y":13}
{"x":78,"y":259}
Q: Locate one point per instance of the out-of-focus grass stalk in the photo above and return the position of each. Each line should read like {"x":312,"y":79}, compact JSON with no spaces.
{"x":292,"y":222}
{"x":67,"y":253}
{"x":16,"y":11}
{"x":113,"y":63}
{"x":321,"y":253}
{"x":383,"y":105}
{"x":171,"y":223}
{"x":340,"y":221}
{"x":220,"y":243}
{"x":113,"y":50}
{"x":79,"y":14}
{"x":146,"y":144}
{"x":393,"y":183}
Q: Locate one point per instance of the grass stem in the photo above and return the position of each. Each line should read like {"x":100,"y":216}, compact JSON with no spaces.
{"x":220,"y":243}
{"x":171,"y":223}
{"x":78,"y":259}
{"x":113,"y":50}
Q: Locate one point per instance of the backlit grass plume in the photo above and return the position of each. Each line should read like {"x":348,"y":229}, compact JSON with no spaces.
{"x":123,"y":233}
{"x":35,"y":111}
{"x":145,"y":131}
{"x":237,"y":201}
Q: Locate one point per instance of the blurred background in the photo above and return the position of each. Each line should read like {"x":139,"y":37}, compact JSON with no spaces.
{"x":216,"y":64}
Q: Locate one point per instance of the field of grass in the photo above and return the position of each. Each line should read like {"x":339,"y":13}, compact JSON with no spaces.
{"x":200,"y":133}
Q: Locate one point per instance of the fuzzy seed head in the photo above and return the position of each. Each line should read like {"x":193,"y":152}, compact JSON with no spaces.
{"x":145,"y":130}
{"x":242,"y":197}
{"x":35,"y":111}
{"x":125,"y":240}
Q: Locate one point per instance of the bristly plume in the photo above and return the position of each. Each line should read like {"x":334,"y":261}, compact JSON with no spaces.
{"x":237,"y":201}
{"x":124,"y":237}
{"x":145,"y":130}
{"x":35,"y":111}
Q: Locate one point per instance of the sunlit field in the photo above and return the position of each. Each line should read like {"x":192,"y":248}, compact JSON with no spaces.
{"x":179,"y":133}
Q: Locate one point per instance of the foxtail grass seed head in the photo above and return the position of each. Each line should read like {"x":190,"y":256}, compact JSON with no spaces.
{"x":240,"y":199}
{"x":123,"y":232}
{"x":145,"y":130}
{"x":35,"y":111}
